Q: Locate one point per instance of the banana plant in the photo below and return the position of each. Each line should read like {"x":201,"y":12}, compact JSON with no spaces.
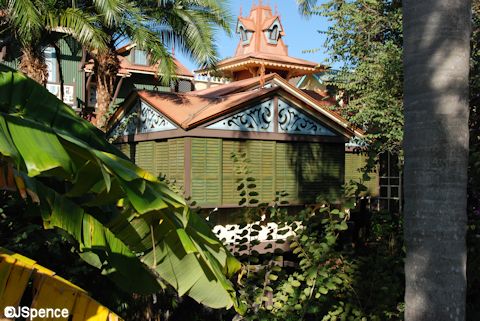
{"x":127,"y":223}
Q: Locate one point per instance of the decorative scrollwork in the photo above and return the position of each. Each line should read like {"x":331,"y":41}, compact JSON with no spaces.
{"x":258,"y":119}
{"x":292,"y":121}
{"x":126,"y":126}
{"x":152,"y":121}
{"x":141,"y":119}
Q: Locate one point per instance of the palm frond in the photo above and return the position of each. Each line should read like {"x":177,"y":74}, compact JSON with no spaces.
{"x":26,"y":19}
{"x":111,"y":11}
{"x":79,"y":24}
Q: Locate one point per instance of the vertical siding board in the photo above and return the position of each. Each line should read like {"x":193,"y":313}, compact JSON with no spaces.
{"x":353,"y":171}
{"x":145,"y":156}
{"x":206,"y":171}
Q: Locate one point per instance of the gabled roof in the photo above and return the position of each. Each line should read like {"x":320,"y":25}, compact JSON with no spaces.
{"x":191,"y":109}
{"x":127,"y":68}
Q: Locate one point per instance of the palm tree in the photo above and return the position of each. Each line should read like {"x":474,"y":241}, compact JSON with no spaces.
{"x":36,"y":24}
{"x":154,"y":26}
{"x":436,"y":64}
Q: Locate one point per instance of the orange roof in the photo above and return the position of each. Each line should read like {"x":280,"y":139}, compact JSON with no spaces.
{"x":229,"y":88}
{"x":127,"y":68}
{"x":187,"y":110}
{"x":269,"y":60}
{"x":259,"y":51}
{"x":191,"y":109}
{"x":247,"y":23}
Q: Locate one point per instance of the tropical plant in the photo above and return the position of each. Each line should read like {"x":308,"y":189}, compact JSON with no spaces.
{"x":37,"y":24}
{"x":436,"y":64}
{"x":154,"y":26}
{"x":127,"y":223}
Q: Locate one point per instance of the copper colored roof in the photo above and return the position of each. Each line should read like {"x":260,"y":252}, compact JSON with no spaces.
{"x":258,"y":51}
{"x":230,"y":88}
{"x":322,"y":99}
{"x":188,"y":110}
{"x":127,"y":68}
{"x":281,"y":61}
{"x":191,"y":109}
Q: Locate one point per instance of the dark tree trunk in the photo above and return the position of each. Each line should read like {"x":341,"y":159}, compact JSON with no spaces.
{"x":436,"y":62}
{"x":106,"y":69}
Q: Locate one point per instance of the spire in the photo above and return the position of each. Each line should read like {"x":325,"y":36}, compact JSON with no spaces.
{"x":241,"y":11}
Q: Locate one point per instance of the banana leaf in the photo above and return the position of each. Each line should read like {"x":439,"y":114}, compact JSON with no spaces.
{"x":127,"y":223}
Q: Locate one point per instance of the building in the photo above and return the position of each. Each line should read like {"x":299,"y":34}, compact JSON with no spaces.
{"x":136,"y":72}
{"x":293,"y":141}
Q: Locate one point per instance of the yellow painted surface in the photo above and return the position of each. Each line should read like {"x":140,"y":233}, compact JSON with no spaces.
{"x":51,"y":291}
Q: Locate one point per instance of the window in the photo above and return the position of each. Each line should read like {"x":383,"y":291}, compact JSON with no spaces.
{"x":51,"y":62}
{"x":140,"y":57}
{"x":390,"y":183}
{"x":274,"y":33}
{"x":243,"y":34}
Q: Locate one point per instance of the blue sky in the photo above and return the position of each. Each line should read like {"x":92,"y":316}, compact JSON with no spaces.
{"x":301,"y":33}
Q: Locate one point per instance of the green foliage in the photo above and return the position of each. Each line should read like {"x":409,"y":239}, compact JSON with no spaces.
{"x":126,"y":223}
{"x":310,"y":267}
{"x":365,"y":37}
{"x":318,"y":277}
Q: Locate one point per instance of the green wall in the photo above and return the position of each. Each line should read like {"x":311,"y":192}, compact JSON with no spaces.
{"x":354,"y":163}
{"x":159,"y":157}
{"x":303,"y":170}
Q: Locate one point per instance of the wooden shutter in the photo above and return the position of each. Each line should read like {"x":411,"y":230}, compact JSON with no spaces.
{"x":321,"y":170}
{"x":353,"y":171}
{"x":261,"y":155}
{"x":161,"y":158}
{"x":176,"y":160}
{"x":206,"y":171}
{"x":230,"y":194}
{"x":124,"y":148}
{"x":286,"y":171}
{"x":145,"y":156}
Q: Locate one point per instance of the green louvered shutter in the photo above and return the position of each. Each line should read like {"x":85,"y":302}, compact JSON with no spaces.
{"x":230,"y":194}
{"x":353,"y":171}
{"x":145,"y":156}
{"x":285,"y":171}
{"x":321,"y":171}
{"x":261,"y":155}
{"x":206,"y":171}
{"x":161,"y":158}
{"x":124,"y":148}
{"x":176,"y":160}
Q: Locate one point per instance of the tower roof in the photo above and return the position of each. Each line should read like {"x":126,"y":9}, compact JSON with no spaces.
{"x":261,"y":49}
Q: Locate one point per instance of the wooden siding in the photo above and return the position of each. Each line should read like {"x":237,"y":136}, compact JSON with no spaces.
{"x":159,"y":158}
{"x":206,"y":170}
{"x":309,"y":170}
{"x":303,"y":170}
{"x":353,"y":164}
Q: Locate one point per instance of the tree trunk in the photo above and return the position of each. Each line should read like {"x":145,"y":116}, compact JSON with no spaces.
{"x":436,"y":62}
{"x":33,"y":65}
{"x":106,"y":69}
